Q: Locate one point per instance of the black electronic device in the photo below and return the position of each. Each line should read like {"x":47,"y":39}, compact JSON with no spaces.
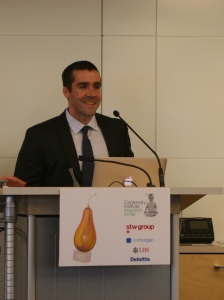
{"x":196,"y":230}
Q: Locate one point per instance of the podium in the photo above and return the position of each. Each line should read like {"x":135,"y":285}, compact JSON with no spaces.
{"x":31,"y":241}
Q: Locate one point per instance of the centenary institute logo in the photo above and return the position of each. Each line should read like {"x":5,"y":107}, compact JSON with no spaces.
{"x":151,"y":206}
{"x":133,"y":207}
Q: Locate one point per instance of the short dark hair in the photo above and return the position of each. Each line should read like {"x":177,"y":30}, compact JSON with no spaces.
{"x":67,"y":75}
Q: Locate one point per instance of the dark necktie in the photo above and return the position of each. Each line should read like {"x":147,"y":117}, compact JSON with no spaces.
{"x":87,"y":166}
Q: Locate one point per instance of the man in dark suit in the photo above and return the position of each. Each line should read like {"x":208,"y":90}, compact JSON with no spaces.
{"x":49,"y":154}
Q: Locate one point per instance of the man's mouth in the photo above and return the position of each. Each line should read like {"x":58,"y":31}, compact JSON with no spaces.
{"x":90,"y":102}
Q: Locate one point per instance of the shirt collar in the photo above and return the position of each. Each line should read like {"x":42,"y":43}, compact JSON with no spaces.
{"x":76,"y":126}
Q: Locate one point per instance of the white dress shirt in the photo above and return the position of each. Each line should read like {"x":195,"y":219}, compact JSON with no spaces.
{"x":95,"y":136}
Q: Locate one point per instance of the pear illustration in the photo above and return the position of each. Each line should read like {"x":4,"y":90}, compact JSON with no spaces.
{"x":85,"y":234}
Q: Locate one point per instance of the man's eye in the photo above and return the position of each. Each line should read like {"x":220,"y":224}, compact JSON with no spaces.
{"x":83,"y":86}
{"x":98,"y":86}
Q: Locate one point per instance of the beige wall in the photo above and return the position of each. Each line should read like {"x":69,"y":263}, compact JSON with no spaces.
{"x":162,"y":66}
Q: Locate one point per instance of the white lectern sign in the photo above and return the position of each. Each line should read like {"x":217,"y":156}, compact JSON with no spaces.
{"x":114,"y":226}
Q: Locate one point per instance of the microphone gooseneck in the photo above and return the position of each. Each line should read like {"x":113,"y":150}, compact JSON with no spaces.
{"x":160,"y":171}
{"x":87,"y":158}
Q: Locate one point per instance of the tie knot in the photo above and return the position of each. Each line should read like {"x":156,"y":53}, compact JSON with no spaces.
{"x":85,"y":130}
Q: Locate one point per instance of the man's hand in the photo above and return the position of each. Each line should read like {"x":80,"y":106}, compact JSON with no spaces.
{"x":13,"y":181}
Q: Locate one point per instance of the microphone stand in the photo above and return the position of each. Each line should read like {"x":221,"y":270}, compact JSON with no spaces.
{"x":87,"y":158}
{"x":160,"y":171}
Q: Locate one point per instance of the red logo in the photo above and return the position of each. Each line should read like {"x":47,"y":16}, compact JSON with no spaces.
{"x":139,"y":227}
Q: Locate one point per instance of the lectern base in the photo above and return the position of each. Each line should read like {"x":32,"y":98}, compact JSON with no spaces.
{"x":81,"y":283}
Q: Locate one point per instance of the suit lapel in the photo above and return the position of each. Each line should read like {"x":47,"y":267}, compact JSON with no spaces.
{"x":108,"y":136}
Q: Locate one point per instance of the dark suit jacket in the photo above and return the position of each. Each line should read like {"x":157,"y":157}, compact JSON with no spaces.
{"x":48,"y":150}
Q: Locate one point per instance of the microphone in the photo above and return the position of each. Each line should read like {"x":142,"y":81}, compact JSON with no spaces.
{"x":87,"y":158}
{"x":160,"y":171}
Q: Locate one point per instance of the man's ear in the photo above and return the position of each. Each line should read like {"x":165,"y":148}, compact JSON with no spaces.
{"x":66,"y":92}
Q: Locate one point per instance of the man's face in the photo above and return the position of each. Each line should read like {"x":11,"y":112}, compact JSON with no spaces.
{"x":85,"y":95}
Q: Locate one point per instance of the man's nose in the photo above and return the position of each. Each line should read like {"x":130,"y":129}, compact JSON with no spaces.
{"x":91,"y":91}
